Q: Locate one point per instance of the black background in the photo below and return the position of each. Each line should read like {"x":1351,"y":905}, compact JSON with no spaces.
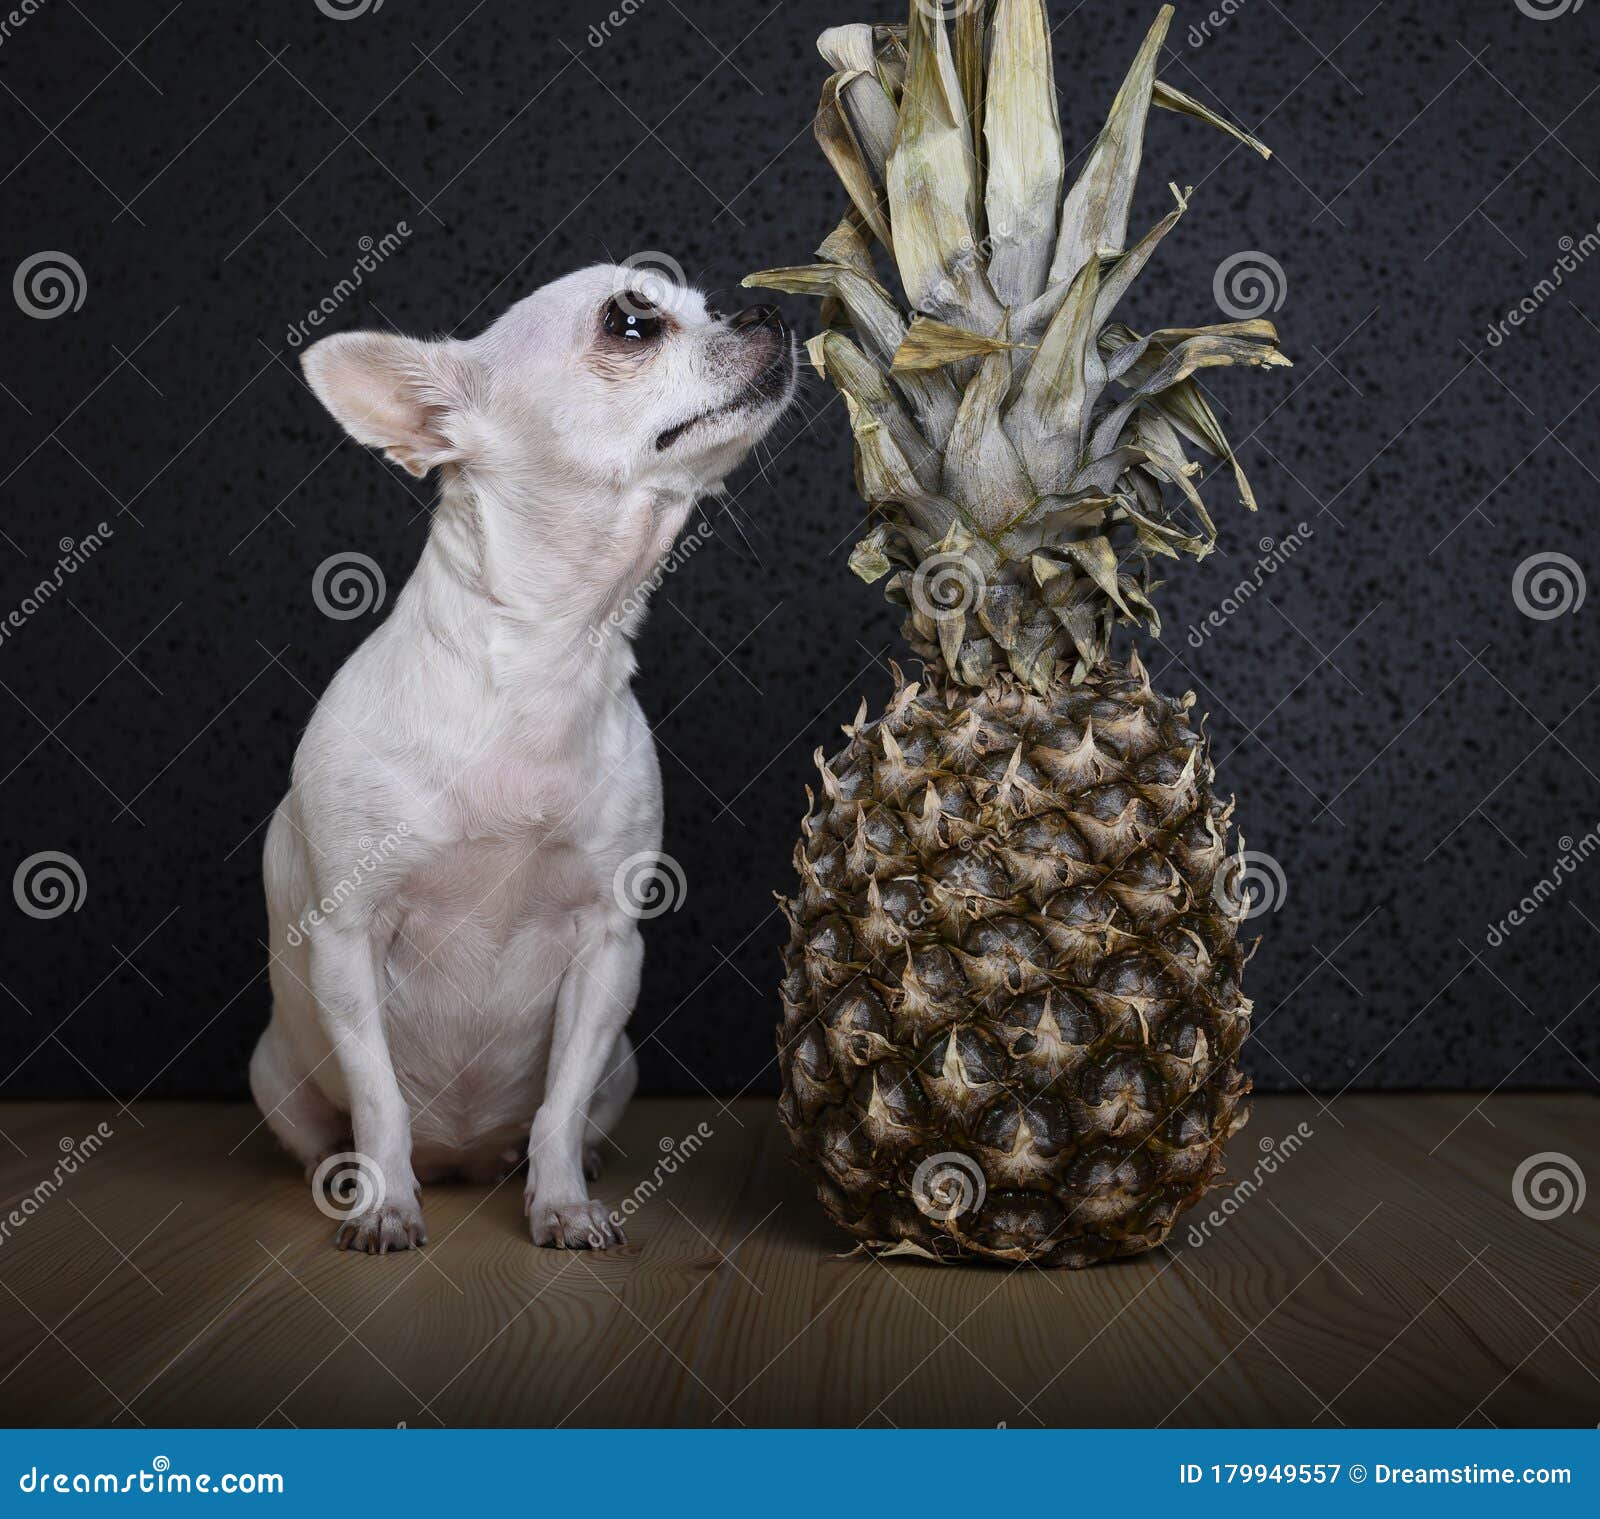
{"x":1403,"y":740}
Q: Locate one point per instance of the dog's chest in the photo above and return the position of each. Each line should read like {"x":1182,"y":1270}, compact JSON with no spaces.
{"x":512,"y":850}
{"x":517,"y":791}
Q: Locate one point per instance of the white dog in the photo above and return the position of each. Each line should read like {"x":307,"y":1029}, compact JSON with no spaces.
{"x":453,"y":963}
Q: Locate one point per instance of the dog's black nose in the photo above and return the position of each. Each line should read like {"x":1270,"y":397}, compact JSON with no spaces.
{"x":756,"y":316}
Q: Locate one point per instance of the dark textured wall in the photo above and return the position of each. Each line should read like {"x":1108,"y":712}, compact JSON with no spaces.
{"x":1406,"y":742}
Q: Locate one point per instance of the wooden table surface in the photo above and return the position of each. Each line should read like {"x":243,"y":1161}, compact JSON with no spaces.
{"x":1382,"y":1275}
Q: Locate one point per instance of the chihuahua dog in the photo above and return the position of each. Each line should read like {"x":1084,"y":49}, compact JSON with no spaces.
{"x":453,"y":956}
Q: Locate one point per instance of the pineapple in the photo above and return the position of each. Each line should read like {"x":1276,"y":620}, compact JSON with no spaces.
{"x":1012,"y":1008}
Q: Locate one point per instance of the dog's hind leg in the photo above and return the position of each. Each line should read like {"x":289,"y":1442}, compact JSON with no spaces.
{"x":306,"y":1124}
{"x":610,"y":1099}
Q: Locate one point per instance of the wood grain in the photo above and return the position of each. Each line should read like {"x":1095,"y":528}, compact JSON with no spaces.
{"x":1383,"y":1274}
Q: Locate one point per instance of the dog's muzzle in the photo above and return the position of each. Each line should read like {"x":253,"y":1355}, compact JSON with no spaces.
{"x":763,"y":322}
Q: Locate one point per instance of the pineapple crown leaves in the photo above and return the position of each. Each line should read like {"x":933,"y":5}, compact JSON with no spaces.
{"x":1024,"y":454}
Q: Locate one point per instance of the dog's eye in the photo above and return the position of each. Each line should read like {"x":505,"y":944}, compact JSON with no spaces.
{"x":631,"y":318}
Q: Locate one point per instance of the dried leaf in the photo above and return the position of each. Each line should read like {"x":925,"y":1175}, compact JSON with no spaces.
{"x":1098,"y":560}
{"x":867,"y":559}
{"x":1182,"y":351}
{"x":981,"y":463}
{"x":1186,"y":407}
{"x":1094,"y":216}
{"x":837,"y":139}
{"x":931,"y":345}
{"x":845,"y":245}
{"x":1025,"y":160}
{"x":968,"y":55}
{"x":865,"y":389}
{"x":1114,"y":285}
{"x":849,"y":48}
{"x":1051,"y":416}
{"x":1173,"y":99}
{"x":932,"y":189}
{"x":813,"y":348}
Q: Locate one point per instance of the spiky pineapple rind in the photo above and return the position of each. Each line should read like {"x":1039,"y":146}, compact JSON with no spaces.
{"x":1010,"y":956}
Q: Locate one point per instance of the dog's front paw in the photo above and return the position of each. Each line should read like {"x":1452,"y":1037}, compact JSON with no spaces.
{"x":572,"y":1226}
{"x":389,"y":1226}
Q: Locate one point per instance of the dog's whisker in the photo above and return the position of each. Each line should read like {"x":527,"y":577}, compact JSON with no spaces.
{"x":733,"y":517}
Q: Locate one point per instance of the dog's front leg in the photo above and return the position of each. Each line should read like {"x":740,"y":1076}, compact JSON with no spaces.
{"x":593,"y":1003}
{"x":344,"y":980}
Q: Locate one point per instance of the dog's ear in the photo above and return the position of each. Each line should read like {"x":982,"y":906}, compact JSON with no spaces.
{"x":395,"y":393}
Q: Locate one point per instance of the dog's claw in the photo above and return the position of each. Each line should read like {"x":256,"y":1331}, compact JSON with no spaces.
{"x":574,"y":1226}
{"x":378,"y":1231}
{"x":593,"y":1163}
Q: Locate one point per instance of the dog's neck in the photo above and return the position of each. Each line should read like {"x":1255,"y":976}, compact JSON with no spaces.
{"x":537,"y":586}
